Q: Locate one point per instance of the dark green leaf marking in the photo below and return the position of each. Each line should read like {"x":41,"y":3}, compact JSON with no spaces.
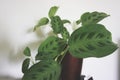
{"x":92,"y":40}
{"x":56,"y":24}
{"x":44,"y":70}
{"x":25,"y":65}
{"x":65,"y":34}
{"x":91,"y":18}
{"x":51,"y":48}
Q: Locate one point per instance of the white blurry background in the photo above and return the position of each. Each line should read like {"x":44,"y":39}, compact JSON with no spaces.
{"x":17,"y":18}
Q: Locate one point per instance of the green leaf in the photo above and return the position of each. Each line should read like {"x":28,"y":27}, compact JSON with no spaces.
{"x":65,"y":21}
{"x":44,"y":70}
{"x":92,"y":40}
{"x":56,"y":24}
{"x":25,"y":65}
{"x":65,"y":34}
{"x":52,"y":11}
{"x":27,"y":51}
{"x":50,"y":48}
{"x":41,"y":22}
{"x":78,"y":21}
{"x":92,"y":18}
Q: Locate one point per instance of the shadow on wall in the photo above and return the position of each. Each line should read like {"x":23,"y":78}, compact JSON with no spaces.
{"x":11,"y":49}
{"x":119,"y":60}
{"x":7,"y":78}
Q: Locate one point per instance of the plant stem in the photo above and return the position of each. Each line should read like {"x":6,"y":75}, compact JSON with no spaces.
{"x":32,"y":60}
{"x":60,"y":57}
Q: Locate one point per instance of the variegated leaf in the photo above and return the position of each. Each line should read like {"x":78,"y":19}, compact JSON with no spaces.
{"x":51,"y":48}
{"x":92,"y":40}
{"x":92,"y":18}
{"x":43,"y":70}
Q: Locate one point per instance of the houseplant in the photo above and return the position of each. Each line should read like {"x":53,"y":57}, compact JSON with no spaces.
{"x":60,"y":55}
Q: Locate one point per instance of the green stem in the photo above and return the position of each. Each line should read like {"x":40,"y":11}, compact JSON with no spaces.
{"x":60,"y":58}
{"x":32,"y":60}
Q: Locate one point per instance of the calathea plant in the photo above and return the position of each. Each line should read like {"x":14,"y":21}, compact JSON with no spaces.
{"x":89,"y":40}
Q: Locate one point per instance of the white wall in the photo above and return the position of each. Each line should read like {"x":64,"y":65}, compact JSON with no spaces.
{"x":17,"y":17}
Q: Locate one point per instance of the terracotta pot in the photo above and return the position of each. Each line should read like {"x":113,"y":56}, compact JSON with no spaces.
{"x":71,"y":68}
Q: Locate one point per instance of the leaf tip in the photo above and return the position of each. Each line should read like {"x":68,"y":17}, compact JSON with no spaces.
{"x":52,"y":11}
{"x":27,"y":51}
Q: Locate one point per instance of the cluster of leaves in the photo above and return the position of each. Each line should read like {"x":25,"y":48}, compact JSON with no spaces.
{"x":89,"y":40}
